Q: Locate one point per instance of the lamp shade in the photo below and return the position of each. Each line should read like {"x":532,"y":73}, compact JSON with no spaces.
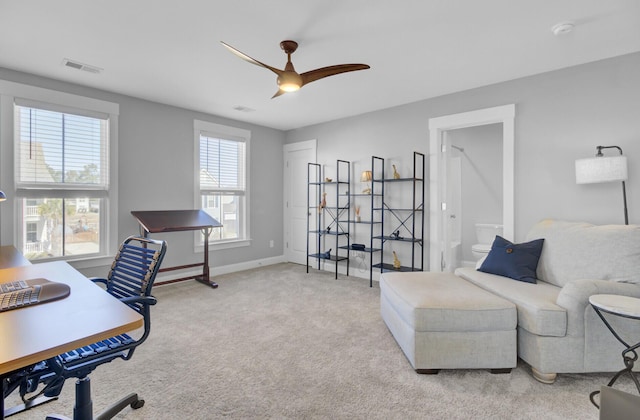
{"x":601,"y":169}
{"x":366,"y":176}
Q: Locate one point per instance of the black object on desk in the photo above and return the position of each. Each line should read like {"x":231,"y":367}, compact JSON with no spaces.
{"x":23,"y":293}
{"x":162,"y":221}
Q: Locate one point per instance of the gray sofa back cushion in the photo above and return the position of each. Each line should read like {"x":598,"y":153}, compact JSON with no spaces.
{"x":575,"y":250}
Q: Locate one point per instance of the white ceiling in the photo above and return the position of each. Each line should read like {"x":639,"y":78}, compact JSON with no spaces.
{"x":169,"y":51}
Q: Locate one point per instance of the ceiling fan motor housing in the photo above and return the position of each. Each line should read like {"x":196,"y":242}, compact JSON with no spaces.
{"x":289,"y":81}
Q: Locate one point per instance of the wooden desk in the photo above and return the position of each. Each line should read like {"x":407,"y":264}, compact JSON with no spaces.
{"x":162,"y":221}
{"x":34,"y":333}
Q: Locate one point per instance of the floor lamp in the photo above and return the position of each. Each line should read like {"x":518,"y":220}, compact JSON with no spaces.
{"x":604,"y":169}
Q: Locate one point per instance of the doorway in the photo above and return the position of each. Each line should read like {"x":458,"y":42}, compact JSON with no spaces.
{"x":296,"y":158}
{"x":440,"y":254}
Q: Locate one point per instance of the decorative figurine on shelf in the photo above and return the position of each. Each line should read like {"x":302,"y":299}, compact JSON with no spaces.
{"x":323,"y":203}
{"x":396,"y":261}
{"x":366,"y":177}
{"x":396,"y":235}
{"x":357,"y":214}
{"x":328,"y":229}
{"x":396,"y":175}
{"x":328,"y":179}
{"x":326,"y":255}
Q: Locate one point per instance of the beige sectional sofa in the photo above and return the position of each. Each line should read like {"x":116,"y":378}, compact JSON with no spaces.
{"x":557,"y":329}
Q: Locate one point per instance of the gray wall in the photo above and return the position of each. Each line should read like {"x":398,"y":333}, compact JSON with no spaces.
{"x":560,"y":116}
{"x":156,"y":172}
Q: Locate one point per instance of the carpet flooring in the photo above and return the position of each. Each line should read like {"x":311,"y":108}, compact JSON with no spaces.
{"x":278,"y":343}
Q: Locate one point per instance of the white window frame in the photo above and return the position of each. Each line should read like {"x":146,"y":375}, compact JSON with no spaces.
{"x":224,"y":132}
{"x":10,"y":93}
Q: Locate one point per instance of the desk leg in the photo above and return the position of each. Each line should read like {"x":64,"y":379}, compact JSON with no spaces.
{"x":205,"y":268}
{"x":2,"y":395}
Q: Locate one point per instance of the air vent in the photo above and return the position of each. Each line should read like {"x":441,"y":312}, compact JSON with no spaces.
{"x":81,"y":66}
{"x":242,"y":108}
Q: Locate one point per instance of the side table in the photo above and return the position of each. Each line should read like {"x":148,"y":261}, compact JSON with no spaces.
{"x":626,"y":307}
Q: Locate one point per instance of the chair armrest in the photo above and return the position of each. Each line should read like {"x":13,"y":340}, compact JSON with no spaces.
{"x":145,"y":300}
{"x":99,"y":280}
{"x":574,"y":297}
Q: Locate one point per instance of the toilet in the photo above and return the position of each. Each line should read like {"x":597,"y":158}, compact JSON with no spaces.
{"x":485,"y":234}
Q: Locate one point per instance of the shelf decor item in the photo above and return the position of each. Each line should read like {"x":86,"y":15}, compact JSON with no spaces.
{"x":357,"y":210}
{"x":326,"y":255}
{"x":366,"y":178}
{"x":396,"y":261}
{"x":396,"y":175}
{"x":323,"y":202}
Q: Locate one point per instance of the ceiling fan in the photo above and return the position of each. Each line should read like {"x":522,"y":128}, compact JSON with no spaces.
{"x":288,"y":79}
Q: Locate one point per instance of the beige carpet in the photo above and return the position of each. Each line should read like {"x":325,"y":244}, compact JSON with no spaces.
{"x":279,"y":343}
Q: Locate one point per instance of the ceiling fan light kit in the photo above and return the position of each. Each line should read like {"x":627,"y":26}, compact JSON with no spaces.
{"x":288,"y":79}
{"x":289,"y":82}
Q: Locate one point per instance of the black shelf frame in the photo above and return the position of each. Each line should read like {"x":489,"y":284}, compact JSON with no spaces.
{"x":370,"y":250}
{"x":335,"y":218}
{"x":395,"y":219}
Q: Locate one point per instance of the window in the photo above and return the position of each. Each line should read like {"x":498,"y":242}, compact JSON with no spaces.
{"x":62,"y":149}
{"x":221,"y":179}
{"x":32,"y":232}
{"x":62,"y":180}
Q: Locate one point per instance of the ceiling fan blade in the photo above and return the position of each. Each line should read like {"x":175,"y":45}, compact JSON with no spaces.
{"x":251,"y":60}
{"x":313,"y":75}
{"x":278,"y":93}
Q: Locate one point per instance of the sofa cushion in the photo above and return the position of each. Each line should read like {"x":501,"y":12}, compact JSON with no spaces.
{"x":574,"y":250}
{"x":538,"y":312}
{"x":444,"y":302}
{"x":516,"y":261}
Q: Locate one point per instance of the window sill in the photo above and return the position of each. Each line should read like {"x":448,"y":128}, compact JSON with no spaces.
{"x":82,"y":263}
{"x":215,"y":246}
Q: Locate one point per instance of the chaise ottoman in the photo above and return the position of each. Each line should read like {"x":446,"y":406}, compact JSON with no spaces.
{"x":442,"y":321}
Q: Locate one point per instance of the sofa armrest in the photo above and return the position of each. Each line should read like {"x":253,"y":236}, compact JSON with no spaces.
{"x":574,"y":297}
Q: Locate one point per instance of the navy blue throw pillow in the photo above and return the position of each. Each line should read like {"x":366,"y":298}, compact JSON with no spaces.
{"x":516,"y":261}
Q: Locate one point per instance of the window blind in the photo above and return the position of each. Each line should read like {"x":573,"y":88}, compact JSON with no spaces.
{"x":222,"y":165}
{"x":60,"y":150}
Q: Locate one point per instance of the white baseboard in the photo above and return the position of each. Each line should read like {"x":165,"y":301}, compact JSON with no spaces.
{"x":247,"y":265}
{"x":224,"y":269}
{"x":353,"y":271}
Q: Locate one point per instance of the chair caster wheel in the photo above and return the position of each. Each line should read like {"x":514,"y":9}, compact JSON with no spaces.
{"x":137,"y":404}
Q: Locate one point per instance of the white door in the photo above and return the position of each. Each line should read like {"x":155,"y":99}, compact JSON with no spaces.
{"x":296,"y":210}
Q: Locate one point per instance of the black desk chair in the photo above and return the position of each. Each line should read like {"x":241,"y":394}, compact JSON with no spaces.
{"x":130,"y":280}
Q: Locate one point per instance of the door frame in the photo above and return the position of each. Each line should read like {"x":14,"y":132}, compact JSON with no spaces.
{"x":286,"y":149}
{"x":437,"y":128}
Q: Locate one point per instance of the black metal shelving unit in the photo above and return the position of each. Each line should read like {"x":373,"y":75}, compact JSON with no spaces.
{"x":328,"y":202}
{"x":374,"y":198}
{"x":401,"y":225}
